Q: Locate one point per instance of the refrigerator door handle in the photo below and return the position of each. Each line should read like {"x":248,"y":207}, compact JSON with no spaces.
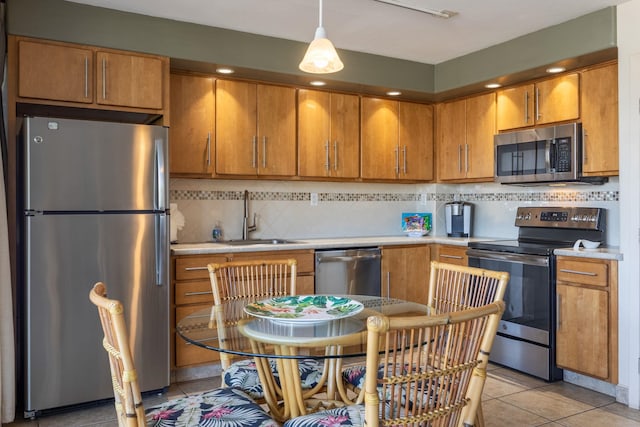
{"x":162,"y":250}
{"x":161,"y":172}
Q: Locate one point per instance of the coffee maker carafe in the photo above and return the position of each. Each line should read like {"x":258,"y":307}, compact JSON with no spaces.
{"x":458,"y":219}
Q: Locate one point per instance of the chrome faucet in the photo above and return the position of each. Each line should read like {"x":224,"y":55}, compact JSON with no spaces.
{"x":246,"y":228}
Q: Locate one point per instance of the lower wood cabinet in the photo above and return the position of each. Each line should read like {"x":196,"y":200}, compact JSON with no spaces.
{"x":587,"y":313}
{"x":192,"y":292}
{"x":405,"y":272}
{"x":451,"y":254}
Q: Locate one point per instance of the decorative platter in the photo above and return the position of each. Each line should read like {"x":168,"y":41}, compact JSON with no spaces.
{"x":304,"y":308}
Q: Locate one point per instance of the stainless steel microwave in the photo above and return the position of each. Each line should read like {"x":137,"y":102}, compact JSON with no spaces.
{"x":541,"y":155}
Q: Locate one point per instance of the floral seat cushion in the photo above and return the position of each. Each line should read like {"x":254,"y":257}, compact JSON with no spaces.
{"x":223,"y":407}
{"x":352,"y":415}
{"x":244,"y":375}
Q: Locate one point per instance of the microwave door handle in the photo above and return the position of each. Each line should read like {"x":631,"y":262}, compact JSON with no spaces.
{"x":547,"y":155}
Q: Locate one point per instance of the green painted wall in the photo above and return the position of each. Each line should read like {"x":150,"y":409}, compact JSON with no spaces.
{"x":71,"y":22}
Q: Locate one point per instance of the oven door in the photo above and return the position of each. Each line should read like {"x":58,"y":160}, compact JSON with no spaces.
{"x":528,"y":298}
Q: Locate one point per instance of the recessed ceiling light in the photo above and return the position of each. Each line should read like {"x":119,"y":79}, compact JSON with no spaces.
{"x":492,"y":85}
{"x":317,"y":83}
{"x":225,"y":70}
{"x":394,"y":93}
{"x":554,"y":70}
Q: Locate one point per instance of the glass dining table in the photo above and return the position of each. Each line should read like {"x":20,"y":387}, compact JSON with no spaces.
{"x":229,"y":328}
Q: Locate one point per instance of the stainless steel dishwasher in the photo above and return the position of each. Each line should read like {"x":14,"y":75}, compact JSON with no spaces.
{"x":348,"y":271}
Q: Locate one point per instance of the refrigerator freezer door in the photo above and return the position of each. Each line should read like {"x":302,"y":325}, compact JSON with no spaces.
{"x":79,"y":165}
{"x":65,"y":361}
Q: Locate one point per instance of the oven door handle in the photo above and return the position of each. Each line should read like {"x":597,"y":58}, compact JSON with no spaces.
{"x":537,"y":260}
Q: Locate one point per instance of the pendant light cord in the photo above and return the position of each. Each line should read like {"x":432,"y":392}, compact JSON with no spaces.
{"x":320,"y":17}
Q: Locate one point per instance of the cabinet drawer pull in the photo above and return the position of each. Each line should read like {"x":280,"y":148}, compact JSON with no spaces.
{"x":582,"y":273}
{"x":104,"y":78}
{"x":327,"y":163}
{"x":208,"y":148}
{"x":192,"y":294}
{"x":335,"y":155}
{"x":264,"y":152}
{"x":86,"y":77}
{"x":538,"y":113}
{"x":450,"y":256}
{"x":195,"y":268}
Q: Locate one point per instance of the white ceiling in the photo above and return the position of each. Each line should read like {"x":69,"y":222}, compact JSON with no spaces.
{"x":373,"y":27}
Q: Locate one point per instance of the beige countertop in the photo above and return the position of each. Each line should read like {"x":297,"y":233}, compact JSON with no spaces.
{"x":326,"y":243}
{"x":612,"y":253}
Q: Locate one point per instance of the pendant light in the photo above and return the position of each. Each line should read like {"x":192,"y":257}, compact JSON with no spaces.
{"x":321,"y":56}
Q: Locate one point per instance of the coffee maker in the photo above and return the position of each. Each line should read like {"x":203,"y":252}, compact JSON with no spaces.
{"x":458,"y":219}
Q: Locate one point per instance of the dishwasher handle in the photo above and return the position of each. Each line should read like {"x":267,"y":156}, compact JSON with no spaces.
{"x":346,"y":258}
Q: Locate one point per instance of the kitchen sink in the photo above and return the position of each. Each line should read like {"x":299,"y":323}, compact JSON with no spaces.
{"x":258,"y":242}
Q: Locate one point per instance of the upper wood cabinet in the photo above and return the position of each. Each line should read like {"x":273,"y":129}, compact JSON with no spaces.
{"x":599,"y":114}
{"x":546,"y":101}
{"x":328,"y":134}
{"x":191,"y":133}
{"x":396,"y":140}
{"x":255,"y":129}
{"x":464,"y":134}
{"x":66,"y":74}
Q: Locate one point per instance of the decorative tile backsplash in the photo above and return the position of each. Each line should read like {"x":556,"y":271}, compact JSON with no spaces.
{"x":284,"y":209}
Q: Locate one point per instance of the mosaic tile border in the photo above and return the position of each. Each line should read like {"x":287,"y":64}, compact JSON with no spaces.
{"x":282,"y":196}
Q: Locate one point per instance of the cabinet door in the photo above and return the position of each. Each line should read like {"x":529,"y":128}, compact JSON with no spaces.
{"x":344,"y":142}
{"x":599,"y":113}
{"x":515,"y":107}
{"x":192,"y":119}
{"x":582,"y":337}
{"x":451,"y":140}
{"x":276,"y":119}
{"x":313,"y":133}
{"x":379,"y":139}
{"x":59,"y":73}
{"x":480,"y":130}
{"x":236,"y":138}
{"x":415,"y":122}
{"x":405,"y":272}
{"x":557,"y":99}
{"x":187,"y":354}
{"x":129,"y":80}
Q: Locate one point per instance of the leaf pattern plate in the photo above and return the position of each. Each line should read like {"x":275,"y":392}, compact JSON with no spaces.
{"x":305,"y":308}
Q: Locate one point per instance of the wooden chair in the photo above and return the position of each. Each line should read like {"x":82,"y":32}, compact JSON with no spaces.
{"x":259,"y":279}
{"x":457,"y":287}
{"x":430,"y":371}
{"x":225,"y":405}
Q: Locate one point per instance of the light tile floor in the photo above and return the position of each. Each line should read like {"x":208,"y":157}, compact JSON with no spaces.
{"x":510,"y":399}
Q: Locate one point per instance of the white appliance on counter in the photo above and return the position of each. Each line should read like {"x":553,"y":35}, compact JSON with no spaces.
{"x":95,"y":209}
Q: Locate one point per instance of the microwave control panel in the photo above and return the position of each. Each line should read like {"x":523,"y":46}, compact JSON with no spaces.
{"x":563,"y":155}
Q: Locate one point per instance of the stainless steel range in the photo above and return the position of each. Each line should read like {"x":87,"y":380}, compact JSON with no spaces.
{"x":526,"y":336}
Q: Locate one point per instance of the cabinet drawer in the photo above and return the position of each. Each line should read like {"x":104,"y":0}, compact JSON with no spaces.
{"x":585,"y":272}
{"x":194,"y":292}
{"x":195,"y":267}
{"x":187,"y":353}
{"x":452,"y":254}
{"x":305,"y":259}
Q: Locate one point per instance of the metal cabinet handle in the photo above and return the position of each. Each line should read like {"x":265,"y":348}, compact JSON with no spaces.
{"x":526,"y":107}
{"x":397,"y":153}
{"x":86,"y":77}
{"x":584,"y":146}
{"x":466,"y":158}
{"x":192,"y":294}
{"x":404,"y":159}
{"x":327,"y":163}
{"x":451,"y":256}
{"x":582,"y":273}
{"x":538,"y":114}
{"x":104,"y":78}
{"x":254,"y":143}
{"x":459,"y":158}
{"x":264,"y":152}
{"x":195,"y":268}
{"x":335,"y":155}
{"x":208,"y":148}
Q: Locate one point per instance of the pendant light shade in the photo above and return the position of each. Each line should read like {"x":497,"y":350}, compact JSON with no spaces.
{"x":321,"y":56}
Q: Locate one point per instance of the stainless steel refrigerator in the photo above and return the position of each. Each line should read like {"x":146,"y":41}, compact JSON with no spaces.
{"x":95,"y":209}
